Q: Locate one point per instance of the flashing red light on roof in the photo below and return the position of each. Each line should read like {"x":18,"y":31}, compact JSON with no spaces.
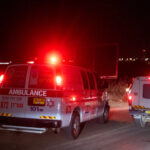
{"x":148,"y":78}
{"x":58,"y":80}
{"x":1,"y":78}
{"x":53,"y":60}
{"x":30,"y":62}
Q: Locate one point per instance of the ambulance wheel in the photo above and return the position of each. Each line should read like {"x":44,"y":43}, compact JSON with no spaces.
{"x":73,"y":131}
{"x":140,"y":122}
{"x":105,"y":116}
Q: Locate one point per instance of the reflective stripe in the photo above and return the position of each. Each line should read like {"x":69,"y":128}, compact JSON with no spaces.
{"x":135,"y":106}
{"x":5,"y":114}
{"x":47,"y":117}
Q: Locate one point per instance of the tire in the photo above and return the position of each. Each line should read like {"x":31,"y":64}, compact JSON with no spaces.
{"x":140,"y":122}
{"x":105,"y":117}
{"x":73,"y":131}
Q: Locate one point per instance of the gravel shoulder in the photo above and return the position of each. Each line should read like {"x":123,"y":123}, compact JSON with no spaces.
{"x":116,"y":104}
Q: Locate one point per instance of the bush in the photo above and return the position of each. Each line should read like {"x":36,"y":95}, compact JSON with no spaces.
{"x":117,"y":90}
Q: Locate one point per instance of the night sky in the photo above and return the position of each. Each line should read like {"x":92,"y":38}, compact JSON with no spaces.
{"x":33,"y":28}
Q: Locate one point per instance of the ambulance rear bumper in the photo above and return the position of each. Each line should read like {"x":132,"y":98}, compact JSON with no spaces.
{"x":133,"y":112}
{"x":46,"y":123}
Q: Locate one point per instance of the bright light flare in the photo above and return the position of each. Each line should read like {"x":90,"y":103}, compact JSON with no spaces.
{"x":127,"y":90}
{"x":53,"y":60}
{"x":1,"y":78}
{"x":58,"y":80}
{"x":30,"y":62}
{"x":73,"y":98}
{"x":129,"y":97}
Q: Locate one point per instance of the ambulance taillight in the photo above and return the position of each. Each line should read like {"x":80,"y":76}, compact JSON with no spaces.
{"x":130,"y":99}
{"x":58,"y":80}
{"x":73,"y":98}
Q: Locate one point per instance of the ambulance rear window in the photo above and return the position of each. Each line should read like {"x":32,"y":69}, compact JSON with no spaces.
{"x":15,"y":77}
{"x":42,"y":77}
{"x":146,"y":91}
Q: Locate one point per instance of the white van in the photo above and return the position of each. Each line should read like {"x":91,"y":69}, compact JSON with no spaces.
{"x":139,"y":100}
{"x":36,"y":97}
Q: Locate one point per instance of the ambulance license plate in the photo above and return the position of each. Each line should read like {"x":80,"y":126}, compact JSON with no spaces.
{"x":38,"y":101}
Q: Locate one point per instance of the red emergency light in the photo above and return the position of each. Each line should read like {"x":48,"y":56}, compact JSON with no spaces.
{"x":53,"y":58}
{"x":30,"y":62}
{"x":73,"y":98}
{"x":58,"y":80}
{"x":1,"y":78}
{"x":130,"y":99}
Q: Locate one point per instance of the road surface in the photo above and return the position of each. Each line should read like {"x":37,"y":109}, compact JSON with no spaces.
{"x":119,"y":134}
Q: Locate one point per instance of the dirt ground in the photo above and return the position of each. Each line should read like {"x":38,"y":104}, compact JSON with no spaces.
{"x":118,"y":104}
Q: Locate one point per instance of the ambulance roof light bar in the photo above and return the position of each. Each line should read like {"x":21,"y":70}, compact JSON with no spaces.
{"x":54,"y":59}
{"x":30,"y":62}
{"x":5,"y":63}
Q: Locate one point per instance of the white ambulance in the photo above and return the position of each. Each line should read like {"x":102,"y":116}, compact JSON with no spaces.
{"x":35,"y":97}
{"x":139,"y":100}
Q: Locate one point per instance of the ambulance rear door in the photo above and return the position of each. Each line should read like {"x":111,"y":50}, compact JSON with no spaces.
{"x":145,"y":93}
{"x":44,"y":101}
{"x":12,"y":99}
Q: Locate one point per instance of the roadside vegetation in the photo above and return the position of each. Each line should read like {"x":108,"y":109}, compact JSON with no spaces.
{"x":117,"y":90}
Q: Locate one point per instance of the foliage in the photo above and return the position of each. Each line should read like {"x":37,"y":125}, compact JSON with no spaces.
{"x":117,"y":90}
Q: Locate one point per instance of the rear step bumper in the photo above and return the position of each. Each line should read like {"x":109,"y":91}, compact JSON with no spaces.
{"x":135,"y":112}
{"x":23,"y":129}
{"x":28,"y":122}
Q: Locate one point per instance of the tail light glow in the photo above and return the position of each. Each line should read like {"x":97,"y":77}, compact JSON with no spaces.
{"x":1,"y":78}
{"x":130,"y":98}
{"x":58,"y":80}
{"x":127,"y":89}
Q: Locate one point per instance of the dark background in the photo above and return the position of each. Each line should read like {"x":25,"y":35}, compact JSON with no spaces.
{"x":33,"y":28}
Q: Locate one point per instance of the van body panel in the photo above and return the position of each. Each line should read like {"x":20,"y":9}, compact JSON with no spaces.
{"x":135,"y":92}
{"x":140,"y":92}
{"x":35,"y":95}
{"x":13,"y":105}
{"x":144,"y":94}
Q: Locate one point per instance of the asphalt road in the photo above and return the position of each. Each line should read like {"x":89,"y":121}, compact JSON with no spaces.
{"x":119,"y":134}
